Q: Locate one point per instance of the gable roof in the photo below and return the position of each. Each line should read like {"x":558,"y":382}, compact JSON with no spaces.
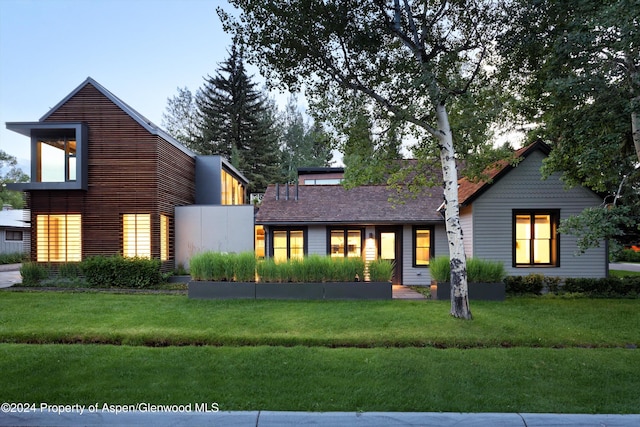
{"x":333,"y":204}
{"x":142,"y":121}
{"x":469,"y":191}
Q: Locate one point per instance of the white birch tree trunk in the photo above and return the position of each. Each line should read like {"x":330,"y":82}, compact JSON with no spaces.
{"x":457,"y":257}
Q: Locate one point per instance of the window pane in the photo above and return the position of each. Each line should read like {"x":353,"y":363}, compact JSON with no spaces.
{"x":337,"y":243}
{"x":523,"y":227}
{"x":354,"y":243}
{"x":52,"y":160}
{"x":164,"y":237}
{"x":259,"y":240}
{"x":522,"y":252}
{"x":423,"y":245}
{"x":280,"y":246}
{"x":296,"y":244}
{"x":543,"y":227}
{"x":59,"y":238}
{"x":388,"y":246}
{"x":136,"y":230}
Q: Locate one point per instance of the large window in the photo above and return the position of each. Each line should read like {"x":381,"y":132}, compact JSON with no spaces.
{"x":136,"y":230}
{"x":345,"y":242}
{"x":164,"y":238}
{"x":56,"y":158}
{"x":422,"y":246}
{"x":535,"y":240}
{"x":59,"y":238}
{"x":288,"y":244}
{"x":232,"y":190}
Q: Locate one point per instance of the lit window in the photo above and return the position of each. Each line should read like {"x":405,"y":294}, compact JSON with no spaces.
{"x":288,"y":244}
{"x":136,"y":229}
{"x":535,"y":240}
{"x":345,"y":243}
{"x":164,"y":238}
{"x":259,"y":241}
{"x":232,"y":190}
{"x":422,"y":246}
{"x":58,"y":238}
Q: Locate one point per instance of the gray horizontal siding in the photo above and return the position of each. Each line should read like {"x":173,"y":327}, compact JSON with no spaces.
{"x":420,"y":276}
{"x":523,"y":188}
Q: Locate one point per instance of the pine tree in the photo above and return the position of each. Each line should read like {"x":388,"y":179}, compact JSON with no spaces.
{"x":238,"y":123}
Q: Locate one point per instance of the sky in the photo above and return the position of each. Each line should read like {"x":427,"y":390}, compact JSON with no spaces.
{"x":139,"y":50}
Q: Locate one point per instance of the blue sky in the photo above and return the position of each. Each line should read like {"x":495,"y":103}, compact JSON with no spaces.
{"x":140,"y":50}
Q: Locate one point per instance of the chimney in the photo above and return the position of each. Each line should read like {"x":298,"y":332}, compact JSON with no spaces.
{"x":277,"y":191}
{"x":297,"y":194}
{"x":287,"y":192}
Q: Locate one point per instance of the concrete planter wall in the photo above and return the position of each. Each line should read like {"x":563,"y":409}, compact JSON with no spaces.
{"x":301,"y":291}
{"x":477,"y":291}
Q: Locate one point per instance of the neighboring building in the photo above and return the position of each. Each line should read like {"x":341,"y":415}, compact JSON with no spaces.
{"x":14,"y":231}
{"x":514,"y":219}
{"x":106,"y":181}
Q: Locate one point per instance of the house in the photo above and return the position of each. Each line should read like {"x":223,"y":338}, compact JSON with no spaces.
{"x":513,"y":217}
{"x":106,"y":181}
{"x":14,"y":231}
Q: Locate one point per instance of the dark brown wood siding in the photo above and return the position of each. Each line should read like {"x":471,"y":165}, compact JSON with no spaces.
{"x":130,"y":171}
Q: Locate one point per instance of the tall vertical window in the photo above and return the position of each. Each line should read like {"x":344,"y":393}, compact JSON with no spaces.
{"x":164,"y":238}
{"x":259,"y":241}
{"x":345,"y":243}
{"x":288,"y":244}
{"x":422,"y":246}
{"x":535,"y":238}
{"x":232,"y":190}
{"x":56,"y":158}
{"x":59,"y":238}
{"x":136,"y":231}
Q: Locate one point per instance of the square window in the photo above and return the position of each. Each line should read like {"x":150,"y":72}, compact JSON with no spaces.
{"x":535,"y":240}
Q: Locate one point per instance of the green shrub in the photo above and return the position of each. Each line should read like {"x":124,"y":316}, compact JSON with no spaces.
{"x":267,"y":270}
{"x":70,"y":270}
{"x":311,"y":269}
{"x":213,"y":266}
{"x":610,"y":287}
{"x":33,"y":273}
{"x":531,"y":284}
{"x":245,"y":267}
{"x":381,"y":270}
{"x":485,"y":271}
{"x":121,"y":272}
{"x":14,"y":258}
{"x":628,"y":255}
{"x":440,"y":268}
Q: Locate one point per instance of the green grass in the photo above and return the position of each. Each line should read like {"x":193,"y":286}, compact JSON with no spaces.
{"x":65,"y":317}
{"x":524,"y":354}
{"x":324,"y":379}
{"x":623,"y":273}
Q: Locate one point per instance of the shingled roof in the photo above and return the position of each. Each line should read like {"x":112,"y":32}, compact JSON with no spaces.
{"x":331,"y":204}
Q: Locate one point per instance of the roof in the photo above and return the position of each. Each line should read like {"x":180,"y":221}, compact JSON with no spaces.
{"x":143,"y":121}
{"x":14,"y":218}
{"x":332,"y":204}
{"x":468,"y":191}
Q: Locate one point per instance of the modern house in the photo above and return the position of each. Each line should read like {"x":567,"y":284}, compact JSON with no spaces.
{"x":106,"y":181}
{"x":14,"y":231}
{"x":513,"y":218}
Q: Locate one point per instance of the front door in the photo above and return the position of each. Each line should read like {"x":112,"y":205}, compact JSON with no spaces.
{"x":390,"y":247}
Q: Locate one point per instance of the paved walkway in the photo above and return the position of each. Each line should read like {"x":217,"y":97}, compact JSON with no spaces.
{"x":9,"y":275}
{"x":403,"y":292}
{"x":626,"y":266}
{"x":334,"y":419}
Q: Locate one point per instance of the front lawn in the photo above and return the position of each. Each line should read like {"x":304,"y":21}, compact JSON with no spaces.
{"x":523,"y":355}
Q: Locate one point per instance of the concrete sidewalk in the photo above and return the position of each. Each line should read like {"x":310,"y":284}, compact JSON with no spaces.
{"x":10,"y":275}
{"x":334,"y":419}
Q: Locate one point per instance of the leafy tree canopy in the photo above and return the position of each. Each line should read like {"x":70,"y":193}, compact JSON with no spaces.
{"x":11,"y":173}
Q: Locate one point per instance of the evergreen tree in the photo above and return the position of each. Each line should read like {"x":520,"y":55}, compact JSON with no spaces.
{"x":238,"y":122}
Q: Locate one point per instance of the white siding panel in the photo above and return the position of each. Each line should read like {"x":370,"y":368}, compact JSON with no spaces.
{"x":523,"y":188}
{"x":466,"y":221}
